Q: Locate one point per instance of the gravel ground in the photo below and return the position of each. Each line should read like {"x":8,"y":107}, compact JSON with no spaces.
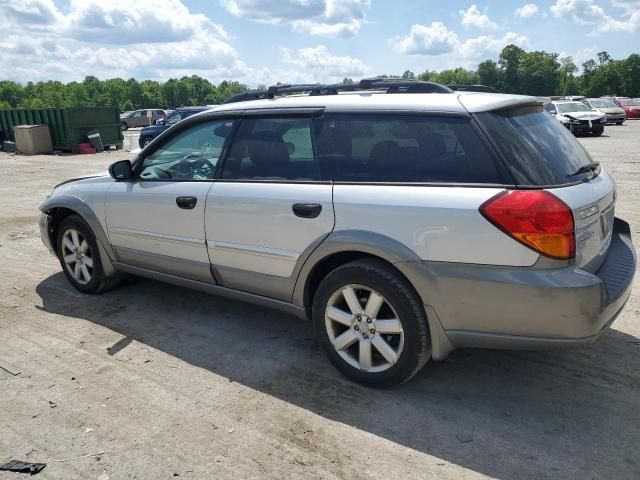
{"x":152,"y":381}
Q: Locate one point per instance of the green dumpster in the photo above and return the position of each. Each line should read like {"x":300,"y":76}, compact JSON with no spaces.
{"x":68,"y":125}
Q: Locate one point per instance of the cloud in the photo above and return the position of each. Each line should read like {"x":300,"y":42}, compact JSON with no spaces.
{"x":473,"y":17}
{"x":526,"y":11}
{"x":319,"y":64}
{"x":154,"y":39}
{"x":587,"y":12}
{"x":437,"y":39}
{"x":331,"y":18}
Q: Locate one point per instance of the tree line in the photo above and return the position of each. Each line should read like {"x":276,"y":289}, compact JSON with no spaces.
{"x":516,"y":71}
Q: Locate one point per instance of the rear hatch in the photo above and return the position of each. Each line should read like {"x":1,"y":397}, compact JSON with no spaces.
{"x":540,"y":153}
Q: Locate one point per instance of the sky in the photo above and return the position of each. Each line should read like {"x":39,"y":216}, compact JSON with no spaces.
{"x":266,"y":41}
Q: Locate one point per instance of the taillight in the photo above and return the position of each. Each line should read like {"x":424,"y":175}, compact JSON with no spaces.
{"x":535,"y":218}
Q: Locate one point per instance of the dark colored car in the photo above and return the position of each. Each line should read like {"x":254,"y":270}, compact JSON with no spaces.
{"x":473,"y":88}
{"x":631,"y":106}
{"x":140,"y":118}
{"x":149,"y":133}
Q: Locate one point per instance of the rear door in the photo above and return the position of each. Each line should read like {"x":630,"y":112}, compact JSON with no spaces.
{"x":269,"y":208}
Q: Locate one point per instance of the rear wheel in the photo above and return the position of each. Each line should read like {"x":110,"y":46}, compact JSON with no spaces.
{"x":124,"y":126}
{"x":79,"y":257}
{"x":371,"y":324}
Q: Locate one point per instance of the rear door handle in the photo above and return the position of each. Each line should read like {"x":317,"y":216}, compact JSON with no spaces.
{"x":307,"y":210}
{"x":186,"y":203}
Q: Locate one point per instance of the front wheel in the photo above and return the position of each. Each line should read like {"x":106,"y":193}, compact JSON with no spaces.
{"x":146,"y":142}
{"x":79,"y":257}
{"x":124,"y":126}
{"x":371,"y":324}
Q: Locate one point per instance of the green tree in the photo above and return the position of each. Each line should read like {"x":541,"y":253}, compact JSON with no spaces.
{"x":509,"y":61}
{"x":489,"y":74}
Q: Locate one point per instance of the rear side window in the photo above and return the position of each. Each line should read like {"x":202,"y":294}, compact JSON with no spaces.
{"x":538,"y":149}
{"x":272,"y":149}
{"x":402,"y":148}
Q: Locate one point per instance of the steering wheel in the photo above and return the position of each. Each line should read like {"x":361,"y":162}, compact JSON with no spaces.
{"x":192,"y":162}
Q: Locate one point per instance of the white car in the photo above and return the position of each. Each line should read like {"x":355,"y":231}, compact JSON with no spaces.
{"x":402,"y":219}
{"x":578,"y":117}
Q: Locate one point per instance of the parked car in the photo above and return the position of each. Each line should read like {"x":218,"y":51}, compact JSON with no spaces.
{"x":473,"y":88}
{"x":577,"y":117}
{"x":631,"y":106}
{"x":149,"y":133}
{"x":402,"y":226}
{"x":140,"y":118}
{"x":613,"y":112}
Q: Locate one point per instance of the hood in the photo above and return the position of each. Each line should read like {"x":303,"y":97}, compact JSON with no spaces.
{"x":611,"y":110}
{"x":87,"y":177}
{"x":584,"y":115}
{"x":153,"y":129}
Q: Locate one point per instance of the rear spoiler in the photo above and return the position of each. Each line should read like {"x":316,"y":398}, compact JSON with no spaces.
{"x":475,"y":103}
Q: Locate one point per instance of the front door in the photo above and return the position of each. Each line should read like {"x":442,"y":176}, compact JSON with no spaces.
{"x":156,"y":221}
{"x":269,"y":209}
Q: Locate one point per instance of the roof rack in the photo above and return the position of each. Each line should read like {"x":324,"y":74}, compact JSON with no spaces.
{"x":390,"y":85}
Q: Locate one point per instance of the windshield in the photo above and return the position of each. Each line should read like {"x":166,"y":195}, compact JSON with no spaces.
{"x":572,"y":107}
{"x":628,"y":102}
{"x":539,"y":151}
{"x":597,"y":103}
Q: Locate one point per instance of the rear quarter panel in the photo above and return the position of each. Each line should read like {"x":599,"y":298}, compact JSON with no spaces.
{"x":440,"y":224}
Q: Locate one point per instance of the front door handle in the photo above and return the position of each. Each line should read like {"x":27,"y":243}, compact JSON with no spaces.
{"x":187,"y":203}
{"x":307,"y":210}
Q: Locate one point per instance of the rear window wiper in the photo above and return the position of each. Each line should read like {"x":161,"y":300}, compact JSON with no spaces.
{"x":589,"y":167}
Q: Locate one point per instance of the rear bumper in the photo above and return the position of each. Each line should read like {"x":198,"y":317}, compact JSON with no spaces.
{"x":516,"y":307}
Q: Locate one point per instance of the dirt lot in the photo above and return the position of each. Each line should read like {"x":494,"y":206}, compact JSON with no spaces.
{"x":152,"y":381}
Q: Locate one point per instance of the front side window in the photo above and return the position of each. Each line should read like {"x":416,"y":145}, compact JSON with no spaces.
{"x":403,"y":148}
{"x":190,"y":155}
{"x":173,"y":119}
{"x":272,"y":149}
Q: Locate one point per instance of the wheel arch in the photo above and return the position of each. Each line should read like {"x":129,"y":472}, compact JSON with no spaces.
{"x":61,"y":207}
{"x":345,"y":246}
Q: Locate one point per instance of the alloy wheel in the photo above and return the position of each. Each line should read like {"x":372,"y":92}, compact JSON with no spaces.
{"x":77,"y":256}
{"x":364,"y":328}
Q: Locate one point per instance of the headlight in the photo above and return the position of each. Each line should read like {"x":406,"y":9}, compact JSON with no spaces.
{"x":572,"y":120}
{"x":603,"y":120}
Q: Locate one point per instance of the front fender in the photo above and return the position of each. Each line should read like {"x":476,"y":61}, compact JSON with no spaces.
{"x":81,"y":208}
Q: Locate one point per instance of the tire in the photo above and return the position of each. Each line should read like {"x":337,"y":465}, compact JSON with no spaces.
{"x":124,"y":126}
{"x":411,"y":347}
{"x":597,"y":133}
{"x":146,"y":142}
{"x":84,"y":249}
{"x":619,"y":123}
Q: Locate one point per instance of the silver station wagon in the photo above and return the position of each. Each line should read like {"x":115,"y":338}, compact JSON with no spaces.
{"x":402,"y":219}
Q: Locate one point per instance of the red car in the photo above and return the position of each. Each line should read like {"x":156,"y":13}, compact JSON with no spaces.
{"x":631,"y":106}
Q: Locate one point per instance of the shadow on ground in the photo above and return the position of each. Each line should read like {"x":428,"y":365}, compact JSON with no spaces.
{"x":570,"y":414}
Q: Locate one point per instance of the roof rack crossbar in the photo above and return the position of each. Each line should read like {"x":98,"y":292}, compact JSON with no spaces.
{"x":314,"y":89}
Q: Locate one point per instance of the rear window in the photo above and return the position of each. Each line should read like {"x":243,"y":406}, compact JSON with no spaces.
{"x":537,"y":148}
{"x":402,"y":148}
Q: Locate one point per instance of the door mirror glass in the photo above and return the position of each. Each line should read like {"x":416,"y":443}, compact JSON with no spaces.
{"x":121,"y":170}
{"x":160,"y":122}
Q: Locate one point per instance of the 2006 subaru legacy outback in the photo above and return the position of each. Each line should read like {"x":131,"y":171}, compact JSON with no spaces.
{"x":405,"y":220}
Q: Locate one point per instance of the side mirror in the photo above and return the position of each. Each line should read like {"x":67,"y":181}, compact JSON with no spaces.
{"x":121,"y":170}
{"x":160,"y":122}
{"x":553,"y":112}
